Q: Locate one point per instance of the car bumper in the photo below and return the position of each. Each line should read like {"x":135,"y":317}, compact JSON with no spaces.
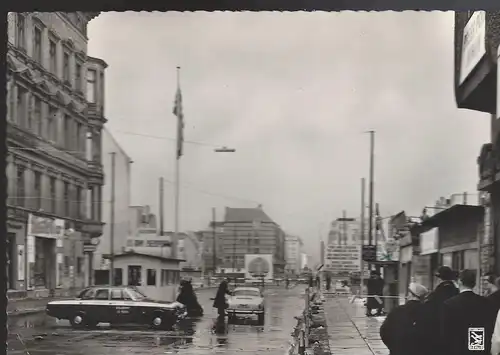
{"x":245,"y":311}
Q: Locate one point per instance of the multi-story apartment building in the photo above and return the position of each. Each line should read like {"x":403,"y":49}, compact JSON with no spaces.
{"x":122,"y":176}
{"x":293,"y":250}
{"x":49,"y":120}
{"x":251,"y":231}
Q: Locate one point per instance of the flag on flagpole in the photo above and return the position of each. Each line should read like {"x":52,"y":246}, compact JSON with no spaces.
{"x":180,"y":120}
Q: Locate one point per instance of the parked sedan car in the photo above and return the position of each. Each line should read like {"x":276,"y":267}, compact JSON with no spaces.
{"x":246,"y":301}
{"x":116,"y":305}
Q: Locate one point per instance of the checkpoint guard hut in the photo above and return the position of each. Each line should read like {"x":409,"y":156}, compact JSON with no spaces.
{"x":156,"y":276}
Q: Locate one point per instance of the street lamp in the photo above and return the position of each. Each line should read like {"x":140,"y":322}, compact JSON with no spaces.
{"x":224,"y":149}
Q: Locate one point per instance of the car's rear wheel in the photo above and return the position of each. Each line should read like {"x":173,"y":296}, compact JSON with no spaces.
{"x":78,"y":320}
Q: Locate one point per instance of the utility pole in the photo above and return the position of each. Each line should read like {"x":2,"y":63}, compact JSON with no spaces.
{"x":161,"y":188}
{"x":362,"y":233}
{"x":235,"y":240}
{"x":214,"y":255}
{"x":112,"y":222}
{"x":370,"y":202}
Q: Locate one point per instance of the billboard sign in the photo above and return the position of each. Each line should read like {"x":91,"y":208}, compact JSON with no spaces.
{"x":258,"y":266}
{"x":343,"y":258}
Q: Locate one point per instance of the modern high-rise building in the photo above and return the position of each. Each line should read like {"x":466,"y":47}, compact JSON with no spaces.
{"x":54,"y":186}
{"x":293,"y":250}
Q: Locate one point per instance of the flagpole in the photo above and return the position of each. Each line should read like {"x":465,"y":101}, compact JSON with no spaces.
{"x":177,"y":180}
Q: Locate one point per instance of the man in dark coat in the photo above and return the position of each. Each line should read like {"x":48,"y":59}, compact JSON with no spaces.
{"x":375,"y":288}
{"x":220,"y":299}
{"x":187,"y":297}
{"x":467,"y":320}
{"x":401,"y":331}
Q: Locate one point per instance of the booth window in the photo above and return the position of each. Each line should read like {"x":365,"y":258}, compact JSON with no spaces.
{"x":151,"y":277}
{"x":118,"y":276}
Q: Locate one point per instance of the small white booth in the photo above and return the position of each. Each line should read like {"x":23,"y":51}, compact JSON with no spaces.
{"x":156,"y":276}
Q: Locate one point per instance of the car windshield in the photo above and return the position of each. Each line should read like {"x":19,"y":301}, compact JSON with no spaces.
{"x":136,"y":294}
{"x":248,"y":293}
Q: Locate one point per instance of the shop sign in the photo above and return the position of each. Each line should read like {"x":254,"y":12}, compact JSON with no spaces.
{"x":45,"y":227}
{"x":473,"y":43}
{"x":429,"y":242}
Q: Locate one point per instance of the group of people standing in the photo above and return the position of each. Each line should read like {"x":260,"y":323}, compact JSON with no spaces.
{"x":451,"y":320}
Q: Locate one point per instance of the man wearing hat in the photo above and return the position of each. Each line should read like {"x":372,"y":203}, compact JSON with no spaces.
{"x":445,"y":290}
{"x":402,"y":331}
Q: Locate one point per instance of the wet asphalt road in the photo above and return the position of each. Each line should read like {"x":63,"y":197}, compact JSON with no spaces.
{"x":39,"y":334}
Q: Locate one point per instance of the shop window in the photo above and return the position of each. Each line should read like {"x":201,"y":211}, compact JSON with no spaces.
{"x":118,"y":275}
{"x":102,"y":294}
{"x":151,"y":277}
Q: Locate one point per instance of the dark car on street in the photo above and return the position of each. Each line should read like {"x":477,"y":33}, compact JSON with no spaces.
{"x":116,"y":305}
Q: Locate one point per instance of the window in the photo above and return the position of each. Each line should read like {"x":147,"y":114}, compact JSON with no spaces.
{"x":37,"y":45}
{"x":102,"y":294}
{"x":20,"y":187}
{"x":163,"y":280}
{"x":118,"y":275}
{"x":66,"y":199}
{"x":116,"y":294}
{"x":53,"y":196}
{"x":79,"y":265}
{"x":79,"y":202}
{"x":37,"y":115}
{"x":87,"y":294}
{"x":78,"y":76}
{"x":91,"y":86}
{"x":66,"y":74}
{"x":51,"y":124}
{"x":38,"y":190}
{"x":134,"y":275}
{"x":21,"y":107}
{"x":67,"y":132}
{"x":20,"y":33}
{"x":151,"y":279}
{"x":79,"y":129}
{"x":53,"y":56}
{"x":139,"y":243}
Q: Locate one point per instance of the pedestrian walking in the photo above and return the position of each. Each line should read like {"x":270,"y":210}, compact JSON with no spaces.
{"x":375,"y":286}
{"x":467,"y":321}
{"x":433,"y":304}
{"x":220,"y":301}
{"x":187,"y":297}
{"x":402,"y":331}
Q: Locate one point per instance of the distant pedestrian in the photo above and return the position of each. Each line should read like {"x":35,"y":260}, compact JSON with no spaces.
{"x":220,"y":301}
{"x":463,"y":312}
{"x":491,"y":285}
{"x":433,"y":304}
{"x":402,"y":331}
{"x":318,"y":282}
{"x":328,"y":282}
{"x":287,"y":283}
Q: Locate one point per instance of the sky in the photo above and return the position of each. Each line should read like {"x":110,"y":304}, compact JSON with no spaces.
{"x":294,"y":93}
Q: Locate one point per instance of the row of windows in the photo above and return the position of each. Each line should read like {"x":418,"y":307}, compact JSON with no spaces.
{"x":38,"y":196}
{"x":167,"y":277}
{"x":71,"y":75}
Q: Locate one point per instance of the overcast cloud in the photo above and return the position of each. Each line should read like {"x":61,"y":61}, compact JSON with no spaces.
{"x":293,"y":93}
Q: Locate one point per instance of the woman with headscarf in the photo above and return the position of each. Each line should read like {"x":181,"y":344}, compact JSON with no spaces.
{"x":220,"y":299}
{"x":187,"y":297}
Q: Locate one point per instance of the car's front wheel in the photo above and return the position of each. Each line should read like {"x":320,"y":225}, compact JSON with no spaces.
{"x":161,"y":321}
{"x":78,"y":320}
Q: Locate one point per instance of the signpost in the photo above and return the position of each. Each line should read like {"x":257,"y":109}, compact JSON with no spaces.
{"x":369,"y":253}
{"x":343,"y":258}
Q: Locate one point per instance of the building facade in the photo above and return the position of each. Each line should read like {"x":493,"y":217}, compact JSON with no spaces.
{"x":345,"y":231}
{"x":190,"y":250}
{"x":251,"y":231}
{"x":49,"y":175}
{"x":122,"y":176}
{"x":209,"y":245}
{"x":293,"y":250}
{"x":477,"y":38}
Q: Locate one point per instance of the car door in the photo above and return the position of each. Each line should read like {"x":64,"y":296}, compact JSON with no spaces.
{"x":101,"y":308}
{"x":121,"y":307}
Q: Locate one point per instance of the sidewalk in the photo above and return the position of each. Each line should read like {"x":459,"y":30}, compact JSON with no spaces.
{"x":350,"y":332}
